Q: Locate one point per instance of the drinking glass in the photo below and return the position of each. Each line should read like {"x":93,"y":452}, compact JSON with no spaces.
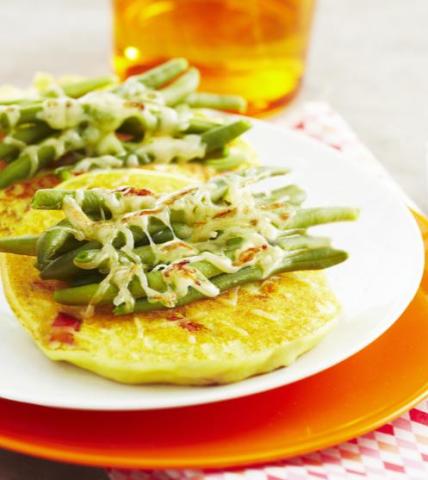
{"x":255,"y":48}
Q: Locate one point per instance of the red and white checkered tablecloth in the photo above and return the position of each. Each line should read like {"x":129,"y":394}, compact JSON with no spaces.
{"x":396,"y":451}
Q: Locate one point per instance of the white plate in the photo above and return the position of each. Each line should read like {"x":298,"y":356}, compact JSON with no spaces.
{"x":375,"y":285}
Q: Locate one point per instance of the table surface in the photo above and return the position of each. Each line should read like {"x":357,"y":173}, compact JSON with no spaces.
{"x":367,"y":59}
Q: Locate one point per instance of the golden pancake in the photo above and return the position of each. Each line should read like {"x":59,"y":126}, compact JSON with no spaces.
{"x":246,"y":331}
{"x":15,"y":202}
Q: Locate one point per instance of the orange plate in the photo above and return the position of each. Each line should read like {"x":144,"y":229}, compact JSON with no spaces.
{"x":358,"y":395}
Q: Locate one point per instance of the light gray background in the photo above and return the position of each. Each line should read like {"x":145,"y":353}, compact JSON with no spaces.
{"x":369,"y":59}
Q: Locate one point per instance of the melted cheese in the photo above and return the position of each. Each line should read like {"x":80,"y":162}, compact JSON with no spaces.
{"x":166,"y":149}
{"x":66,"y":141}
{"x":236,"y":215}
{"x":96,"y":117}
{"x":62,"y":113}
{"x":90,"y":163}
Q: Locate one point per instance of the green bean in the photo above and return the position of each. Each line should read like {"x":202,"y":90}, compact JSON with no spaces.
{"x":63,"y":268}
{"x":53,"y":199}
{"x":24,"y":167}
{"x":218,"y":154}
{"x":181,"y":88}
{"x":66,"y":266}
{"x":28,"y":112}
{"x":27,"y":134}
{"x":158,"y":76}
{"x":70,"y":264}
{"x":299,"y":242}
{"x":82,"y":259}
{"x":121,"y":161}
{"x":25,"y":245}
{"x":315,"y":259}
{"x":308,"y":260}
{"x":219,"y":136}
{"x":257,"y":174}
{"x":290,"y":194}
{"x":82,"y":87}
{"x":162,"y":235}
{"x":64,"y":173}
{"x":247,"y":176}
{"x":8,"y":151}
{"x":93,"y":277}
{"x":230,"y":162}
{"x":23,"y":113}
{"x":54,"y":241}
{"x":16,"y":101}
{"x":234,"y":103}
{"x":158,"y":232}
{"x":201,"y":125}
{"x":92,"y":201}
{"x":309,"y":217}
{"x":145,"y":253}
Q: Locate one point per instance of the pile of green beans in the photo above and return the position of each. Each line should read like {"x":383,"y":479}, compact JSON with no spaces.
{"x":28,"y":138}
{"x":60,"y":256}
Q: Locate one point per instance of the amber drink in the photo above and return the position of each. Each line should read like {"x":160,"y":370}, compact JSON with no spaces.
{"x":255,"y":48}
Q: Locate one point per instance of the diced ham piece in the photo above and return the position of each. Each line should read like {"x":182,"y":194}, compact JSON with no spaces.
{"x":191,"y":326}
{"x":184,"y":322}
{"x":63,"y":328}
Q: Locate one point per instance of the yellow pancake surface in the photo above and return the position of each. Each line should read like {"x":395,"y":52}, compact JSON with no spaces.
{"x":15,"y":202}
{"x":246,"y":331}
